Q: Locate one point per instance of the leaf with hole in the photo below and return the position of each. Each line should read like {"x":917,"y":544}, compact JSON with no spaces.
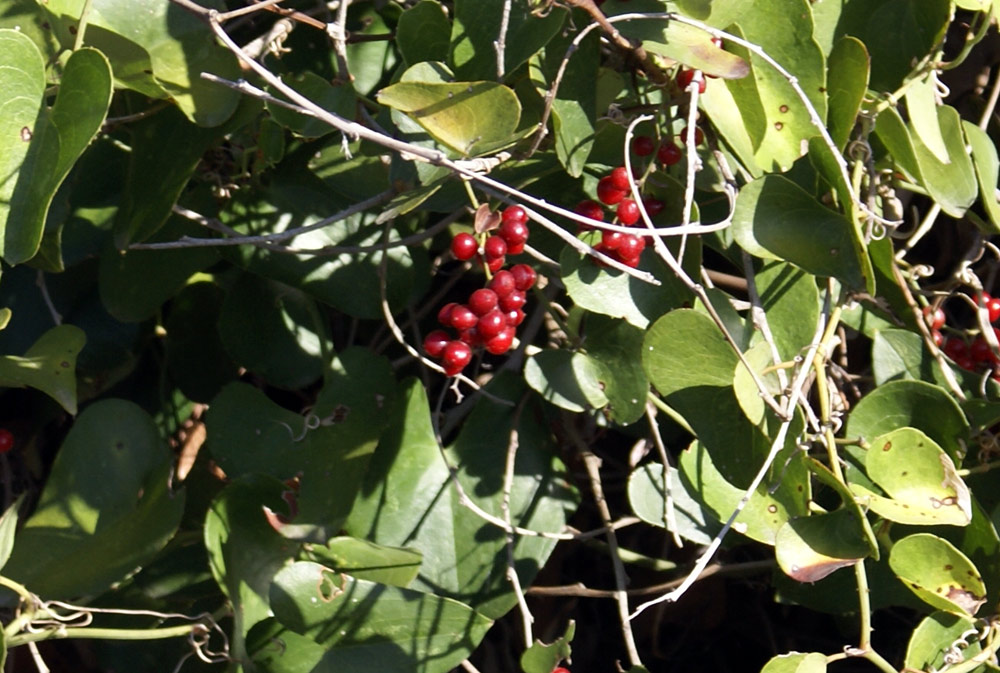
{"x":396,"y":566}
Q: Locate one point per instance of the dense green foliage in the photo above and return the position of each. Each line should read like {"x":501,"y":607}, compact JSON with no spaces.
{"x":229,"y":428}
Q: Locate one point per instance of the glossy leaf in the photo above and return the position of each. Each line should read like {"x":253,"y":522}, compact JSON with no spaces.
{"x":245,"y":551}
{"x":44,"y":147}
{"x":810,"y":548}
{"x":914,"y":404}
{"x":847,"y":80}
{"x":469,"y":117}
{"x":745,"y":387}
{"x":952,"y":184}
{"x":920,"y":479}
{"x":358,"y":622}
{"x":106,"y":508}
{"x":921,"y":105}
{"x":475,"y":29}
{"x":930,"y":640}
{"x":271,"y":329}
{"x":790,"y":300}
{"x":158,"y":49}
{"x":796,"y":662}
{"x":688,"y":45}
{"x":49,"y":365}
{"x":327,"y":450}
{"x":617,"y":347}
{"x":544,"y":657}
{"x":361,"y":559}
{"x":938,"y":573}
{"x":984,"y":156}
{"x":407,"y":498}
{"x":571,"y":381}
{"x":648,"y":494}
{"x":422,"y":33}
{"x":8,"y":526}
{"x":776,"y":219}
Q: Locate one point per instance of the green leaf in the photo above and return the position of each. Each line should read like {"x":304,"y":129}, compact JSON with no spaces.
{"x":747,"y":393}
{"x":422,"y":33}
{"x":571,"y":381}
{"x":617,"y":347}
{"x":777,"y":219}
{"x":647,"y":494}
{"x":544,"y":657}
{"x":809,"y":548}
{"x":245,"y":551}
{"x":921,"y":106}
{"x":914,"y":404}
{"x":106,"y":508}
{"x":847,"y":80}
{"x":196,"y":359}
{"x":616,"y":294}
{"x":366,"y":560}
{"x":56,"y":139}
{"x":984,"y":156}
{"x":790,"y":300}
{"x":952,"y":184}
{"x":328,"y":450}
{"x":930,"y":640}
{"x":49,"y":365}
{"x":407,"y":498}
{"x":134,"y":284}
{"x":938,"y":573}
{"x":920,"y":479}
{"x":796,"y":662}
{"x":271,"y":329}
{"x":8,"y":526}
{"x":899,"y":354}
{"x":158,"y":49}
{"x":688,"y":45}
{"x":359,"y":622}
{"x":337,"y":99}
{"x":476,"y":28}
{"x":470,"y":117}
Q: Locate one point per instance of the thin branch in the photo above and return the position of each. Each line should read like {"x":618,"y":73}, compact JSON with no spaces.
{"x":338,"y":32}
{"x":508,"y":485}
{"x":500,"y":44}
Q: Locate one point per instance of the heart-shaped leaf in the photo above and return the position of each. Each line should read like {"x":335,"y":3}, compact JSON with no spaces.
{"x":938,"y":573}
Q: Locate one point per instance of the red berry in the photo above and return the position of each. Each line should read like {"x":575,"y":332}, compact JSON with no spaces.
{"x":631,"y":248}
{"x":619,"y":178}
{"x":503,"y":283}
{"x":699,"y":137}
{"x":491,"y":324}
{"x":717,"y":41}
{"x":643,"y":146}
{"x":444,"y":315}
{"x":500,"y":344}
{"x":965,"y":362}
{"x":462,"y":317}
{"x":513,"y":232}
{"x":464,"y":246}
{"x":935,"y":317}
{"x":6,"y":440}
{"x":435,"y":342}
{"x":456,"y":355}
{"x":524,"y":277}
{"x":495,"y":247}
{"x":515,"y":249}
{"x":955,"y":348}
{"x":937,"y":338}
{"x":611,"y":240}
{"x":628,"y":212}
{"x":669,"y":154}
{"x":685,"y":77}
{"x":495,"y":264}
{"x":608,"y":193}
{"x":483,"y":301}
{"x":591,"y":209}
{"x":471,"y":337}
{"x":560,"y":669}
{"x":992,"y":305}
{"x":653,"y":206}
{"x":515,"y":317}
{"x":980,"y":351}
{"x":514,"y":214}
{"x":513,"y":301}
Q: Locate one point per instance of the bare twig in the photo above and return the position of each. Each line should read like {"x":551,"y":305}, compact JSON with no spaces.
{"x":508,"y":484}
{"x":500,"y":44}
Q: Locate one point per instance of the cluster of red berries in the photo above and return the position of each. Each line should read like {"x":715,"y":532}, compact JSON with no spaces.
{"x":974,"y":355}
{"x":490,"y":316}
{"x":6,"y":440}
{"x":613,"y":190}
